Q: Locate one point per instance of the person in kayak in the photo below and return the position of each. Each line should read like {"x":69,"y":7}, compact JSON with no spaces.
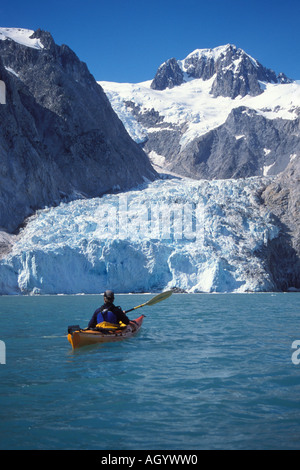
{"x":108,"y":312}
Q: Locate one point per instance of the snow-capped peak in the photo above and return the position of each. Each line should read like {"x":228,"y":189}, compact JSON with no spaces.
{"x":230,"y":65}
{"x":211,"y":53}
{"x":21,"y":36}
{"x":215,"y":55}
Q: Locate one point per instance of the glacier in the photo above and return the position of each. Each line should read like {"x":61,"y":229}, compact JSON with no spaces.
{"x":198,"y":236}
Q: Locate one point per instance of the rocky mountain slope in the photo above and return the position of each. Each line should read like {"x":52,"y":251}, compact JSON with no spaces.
{"x":216,"y":114}
{"x":59,"y":136}
{"x":282,"y":198}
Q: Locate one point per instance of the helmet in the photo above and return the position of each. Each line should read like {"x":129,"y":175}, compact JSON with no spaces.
{"x":109,"y":294}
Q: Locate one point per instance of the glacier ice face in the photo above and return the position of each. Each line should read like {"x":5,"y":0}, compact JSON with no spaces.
{"x":199,"y":236}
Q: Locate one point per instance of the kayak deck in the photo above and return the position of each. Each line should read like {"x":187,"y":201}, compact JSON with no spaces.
{"x":81,"y":338}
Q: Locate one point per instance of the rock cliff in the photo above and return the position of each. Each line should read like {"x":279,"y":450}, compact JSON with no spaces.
{"x":59,"y":136}
{"x":282,"y":197}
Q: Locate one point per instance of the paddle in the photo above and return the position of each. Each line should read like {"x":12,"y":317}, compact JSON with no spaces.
{"x":155,"y":300}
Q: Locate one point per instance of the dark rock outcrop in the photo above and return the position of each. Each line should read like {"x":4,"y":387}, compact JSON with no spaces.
{"x":168,"y":75}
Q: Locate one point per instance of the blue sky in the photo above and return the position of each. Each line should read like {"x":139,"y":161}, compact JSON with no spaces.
{"x":127,"y":40}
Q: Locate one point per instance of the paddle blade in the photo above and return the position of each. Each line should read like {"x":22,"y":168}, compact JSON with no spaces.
{"x":155,"y":300}
{"x":159,"y":298}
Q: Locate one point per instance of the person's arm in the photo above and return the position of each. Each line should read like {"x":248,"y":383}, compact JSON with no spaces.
{"x":121,"y":316}
{"x":93,"y":320}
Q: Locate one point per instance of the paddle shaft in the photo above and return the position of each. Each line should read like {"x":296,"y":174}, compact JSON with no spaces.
{"x":135,"y":308}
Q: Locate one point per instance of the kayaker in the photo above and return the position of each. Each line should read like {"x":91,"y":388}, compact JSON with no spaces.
{"x":108,"y":312}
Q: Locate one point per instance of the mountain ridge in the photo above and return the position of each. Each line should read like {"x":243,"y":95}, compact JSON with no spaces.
{"x":190,"y":116}
{"x":237,"y":73}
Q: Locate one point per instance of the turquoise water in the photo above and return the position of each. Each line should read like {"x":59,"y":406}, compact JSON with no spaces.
{"x":205,"y":372}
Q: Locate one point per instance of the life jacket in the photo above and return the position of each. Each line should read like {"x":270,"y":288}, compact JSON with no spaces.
{"x":111,"y":326}
{"x":107,"y":316}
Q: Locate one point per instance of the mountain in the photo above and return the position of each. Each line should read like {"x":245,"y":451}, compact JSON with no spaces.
{"x":216,"y":114}
{"x":234,"y":71}
{"x":236,"y":229}
{"x":59,"y":137}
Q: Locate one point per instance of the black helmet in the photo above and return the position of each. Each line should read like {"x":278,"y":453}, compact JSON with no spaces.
{"x":109,"y":294}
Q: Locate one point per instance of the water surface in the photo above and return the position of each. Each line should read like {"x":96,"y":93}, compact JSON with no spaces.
{"x":205,"y":372}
